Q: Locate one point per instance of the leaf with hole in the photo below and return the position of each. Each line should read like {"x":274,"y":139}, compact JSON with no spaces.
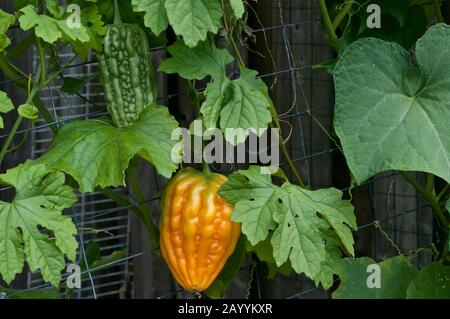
{"x":301,"y":221}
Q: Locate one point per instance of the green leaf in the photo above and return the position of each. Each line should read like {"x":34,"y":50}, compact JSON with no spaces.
{"x":96,"y":153}
{"x":264,"y":252}
{"x":28,"y":111}
{"x":301,"y":220}
{"x":391,"y":115}
{"x":50,"y":29}
{"x":46,"y":293}
{"x":45,"y":26}
{"x":238,"y":8}
{"x":395,"y":276}
{"x":6,"y":20}
{"x":5,"y":105}
{"x":217,"y":93}
{"x":193,"y":19}
{"x":433,"y":282}
{"x":106,"y":260}
{"x":242,"y":103}
{"x":74,"y":85}
{"x":40,"y":198}
{"x":220,"y":286}
{"x":155,"y":14}
{"x":196,"y":63}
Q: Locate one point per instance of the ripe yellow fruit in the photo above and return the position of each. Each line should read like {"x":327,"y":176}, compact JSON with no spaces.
{"x":196,"y":232}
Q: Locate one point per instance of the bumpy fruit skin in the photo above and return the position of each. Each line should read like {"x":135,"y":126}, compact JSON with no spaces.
{"x":126,"y":73}
{"x":197,"y":234}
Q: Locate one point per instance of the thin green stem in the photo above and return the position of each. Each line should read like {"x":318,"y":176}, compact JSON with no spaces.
{"x":342,"y":14}
{"x":117,"y":17}
{"x":437,"y":11}
{"x":8,"y":141}
{"x":430,"y":197}
{"x":272,"y":109}
{"x":442,"y":193}
{"x":329,"y":25}
{"x":194,"y":97}
{"x":43,"y":61}
{"x":145,"y":209}
{"x":18,"y":77}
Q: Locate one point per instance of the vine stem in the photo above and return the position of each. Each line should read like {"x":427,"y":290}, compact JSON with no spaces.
{"x":272,"y":109}
{"x":8,"y":141}
{"x":329,"y":25}
{"x":430,"y":197}
{"x":144,"y":209}
{"x":437,"y":11}
{"x":341,"y":15}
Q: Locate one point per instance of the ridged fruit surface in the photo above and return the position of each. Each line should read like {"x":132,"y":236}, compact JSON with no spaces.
{"x":197,"y":234}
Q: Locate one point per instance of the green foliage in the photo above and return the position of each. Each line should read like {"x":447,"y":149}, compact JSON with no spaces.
{"x":74,"y":85}
{"x":433,"y":282}
{"x":46,"y":293}
{"x":397,"y":280}
{"x":155,"y":14}
{"x":40,"y":198}
{"x":5,"y":105}
{"x":395,"y":276}
{"x":28,"y":111}
{"x":196,"y":63}
{"x":309,"y":226}
{"x":6,"y":20}
{"x":82,"y":148}
{"x":377,"y":117}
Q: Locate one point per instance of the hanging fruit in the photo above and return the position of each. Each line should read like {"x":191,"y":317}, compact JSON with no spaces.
{"x":197,"y":234}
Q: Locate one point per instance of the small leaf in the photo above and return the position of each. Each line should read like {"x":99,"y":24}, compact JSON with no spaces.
{"x":238,"y":8}
{"x":45,"y":26}
{"x":193,"y":19}
{"x":96,"y":153}
{"x":155,"y":14}
{"x":40,"y":198}
{"x":6,"y":20}
{"x":5,"y":105}
{"x":196,"y":63}
{"x":433,"y":282}
{"x":50,"y":29}
{"x":28,"y":111}
{"x":74,"y":85}
{"x":395,"y":275}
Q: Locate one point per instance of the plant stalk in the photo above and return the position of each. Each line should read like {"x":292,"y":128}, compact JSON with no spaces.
{"x":329,"y":25}
{"x":437,"y":11}
{"x":341,"y":15}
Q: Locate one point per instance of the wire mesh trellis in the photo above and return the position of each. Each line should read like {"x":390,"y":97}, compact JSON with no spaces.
{"x":303,"y":96}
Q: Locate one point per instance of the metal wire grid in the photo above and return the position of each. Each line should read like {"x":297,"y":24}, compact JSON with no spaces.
{"x":88,"y":211}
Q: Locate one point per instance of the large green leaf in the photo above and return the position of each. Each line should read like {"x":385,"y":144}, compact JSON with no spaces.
{"x":395,"y":276}
{"x":45,"y":293}
{"x":390,"y":114}
{"x":196,"y":63}
{"x":301,"y":220}
{"x":433,"y":282}
{"x":155,"y":14}
{"x":40,"y":198}
{"x":193,"y":19}
{"x":5,"y":105}
{"x":96,"y":153}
